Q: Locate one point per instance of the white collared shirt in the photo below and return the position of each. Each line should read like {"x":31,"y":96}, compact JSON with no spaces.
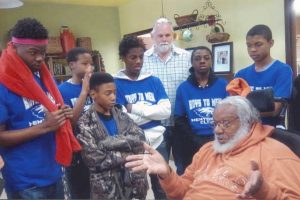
{"x":171,"y":72}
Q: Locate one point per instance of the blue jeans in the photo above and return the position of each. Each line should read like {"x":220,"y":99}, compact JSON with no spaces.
{"x":54,"y":191}
{"x":158,"y":192}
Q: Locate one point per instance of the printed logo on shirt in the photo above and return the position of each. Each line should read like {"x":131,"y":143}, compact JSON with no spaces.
{"x":224,"y":176}
{"x":37,"y":109}
{"x":259,"y":88}
{"x":87,"y":103}
{"x":144,"y":97}
{"x":202,"y":109}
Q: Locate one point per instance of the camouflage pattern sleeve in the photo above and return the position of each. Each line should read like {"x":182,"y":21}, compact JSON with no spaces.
{"x":94,"y":154}
{"x":128,"y":127}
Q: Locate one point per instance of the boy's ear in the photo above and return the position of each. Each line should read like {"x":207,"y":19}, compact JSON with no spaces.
{"x":92,"y":93}
{"x":71,"y":65}
{"x":271,"y":42}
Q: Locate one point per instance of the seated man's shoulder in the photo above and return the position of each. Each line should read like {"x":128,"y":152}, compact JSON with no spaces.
{"x":275,"y":149}
{"x":206,"y":149}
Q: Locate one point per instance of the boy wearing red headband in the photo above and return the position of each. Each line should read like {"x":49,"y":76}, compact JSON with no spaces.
{"x":35,"y":132}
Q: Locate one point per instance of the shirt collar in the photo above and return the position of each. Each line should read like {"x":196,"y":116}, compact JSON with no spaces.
{"x":192,"y":78}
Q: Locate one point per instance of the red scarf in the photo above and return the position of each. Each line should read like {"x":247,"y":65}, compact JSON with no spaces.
{"x":18,"y":78}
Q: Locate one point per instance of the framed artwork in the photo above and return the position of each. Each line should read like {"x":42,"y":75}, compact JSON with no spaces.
{"x":222,"y":57}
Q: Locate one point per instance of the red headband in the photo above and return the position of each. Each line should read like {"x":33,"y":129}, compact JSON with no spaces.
{"x":29,"y":41}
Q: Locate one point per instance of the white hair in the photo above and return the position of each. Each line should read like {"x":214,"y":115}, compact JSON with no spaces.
{"x":247,"y":115}
{"x":161,"y":21}
{"x":246,"y":112}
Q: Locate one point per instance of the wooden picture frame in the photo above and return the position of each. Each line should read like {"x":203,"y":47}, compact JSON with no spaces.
{"x":222,"y":57}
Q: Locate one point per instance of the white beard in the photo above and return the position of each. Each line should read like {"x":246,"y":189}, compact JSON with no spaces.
{"x":240,"y":134}
{"x":163,"y":47}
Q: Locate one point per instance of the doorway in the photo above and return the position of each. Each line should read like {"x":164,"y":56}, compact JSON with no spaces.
{"x":292,"y":35}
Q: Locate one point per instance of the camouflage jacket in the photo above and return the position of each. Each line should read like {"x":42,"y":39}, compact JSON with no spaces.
{"x":105,"y":156}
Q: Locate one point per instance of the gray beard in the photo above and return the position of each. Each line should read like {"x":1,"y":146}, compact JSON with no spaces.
{"x":223,"y":148}
{"x":163,"y":48}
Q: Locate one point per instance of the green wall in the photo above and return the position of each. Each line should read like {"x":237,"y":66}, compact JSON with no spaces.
{"x":239,"y":17}
{"x":99,"y":23}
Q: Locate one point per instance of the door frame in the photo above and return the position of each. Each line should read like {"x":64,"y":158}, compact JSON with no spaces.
{"x":290,"y":35}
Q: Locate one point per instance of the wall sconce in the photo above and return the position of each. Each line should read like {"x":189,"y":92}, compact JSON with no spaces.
{"x":4,"y":4}
{"x":215,"y":21}
{"x":210,"y":14}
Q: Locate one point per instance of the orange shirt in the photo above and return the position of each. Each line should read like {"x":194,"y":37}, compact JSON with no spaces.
{"x":222,"y":176}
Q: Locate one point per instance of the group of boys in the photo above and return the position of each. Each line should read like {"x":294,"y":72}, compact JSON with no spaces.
{"x":111,"y":117}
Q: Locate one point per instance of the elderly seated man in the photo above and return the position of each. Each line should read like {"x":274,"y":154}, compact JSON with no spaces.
{"x":241,"y":163}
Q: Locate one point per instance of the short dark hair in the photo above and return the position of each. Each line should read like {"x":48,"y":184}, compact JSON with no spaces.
{"x":29,"y":28}
{"x":130,"y":42}
{"x":99,"y":78}
{"x":73,"y":53}
{"x":262,"y":30}
{"x":201,"y":48}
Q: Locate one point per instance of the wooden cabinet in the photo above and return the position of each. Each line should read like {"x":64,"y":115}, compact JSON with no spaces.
{"x":58,"y":67}
{"x":98,"y":61}
{"x":60,"y":70}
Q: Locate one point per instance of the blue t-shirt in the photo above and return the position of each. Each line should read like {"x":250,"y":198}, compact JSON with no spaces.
{"x":278,"y":76}
{"x":147,"y":91}
{"x":70,"y":93}
{"x":198,"y":104}
{"x":109,"y":123}
{"x":31,"y":163}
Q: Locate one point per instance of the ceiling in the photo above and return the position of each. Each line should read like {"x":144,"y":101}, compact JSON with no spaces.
{"x":106,"y":3}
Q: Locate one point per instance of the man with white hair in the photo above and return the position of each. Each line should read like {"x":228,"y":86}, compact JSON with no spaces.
{"x":242,"y":162}
{"x":171,"y":65}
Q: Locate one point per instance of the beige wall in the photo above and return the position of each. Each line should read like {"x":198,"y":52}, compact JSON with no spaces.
{"x":99,"y":23}
{"x":105,"y":25}
{"x":240,"y":16}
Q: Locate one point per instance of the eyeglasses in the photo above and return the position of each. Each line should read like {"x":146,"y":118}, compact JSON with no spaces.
{"x":224,"y":124}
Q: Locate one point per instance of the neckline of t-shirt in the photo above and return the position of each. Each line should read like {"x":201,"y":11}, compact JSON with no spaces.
{"x":265,"y":67}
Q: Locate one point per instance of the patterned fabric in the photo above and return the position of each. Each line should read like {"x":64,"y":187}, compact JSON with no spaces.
{"x":172,"y":72}
{"x":67,"y":194}
{"x":105,"y":156}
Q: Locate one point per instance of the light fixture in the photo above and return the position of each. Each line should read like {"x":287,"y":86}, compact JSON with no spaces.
{"x":297,"y":7}
{"x":4,"y":4}
{"x":162,"y":9}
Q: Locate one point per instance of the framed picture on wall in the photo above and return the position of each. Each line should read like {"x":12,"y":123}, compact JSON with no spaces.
{"x":223,"y":57}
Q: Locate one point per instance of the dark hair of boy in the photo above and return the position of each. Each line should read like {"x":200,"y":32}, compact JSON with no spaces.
{"x":29,"y":28}
{"x":130,"y":42}
{"x":72,"y":55}
{"x":262,"y":30}
{"x":99,"y":78}
{"x":201,"y":48}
